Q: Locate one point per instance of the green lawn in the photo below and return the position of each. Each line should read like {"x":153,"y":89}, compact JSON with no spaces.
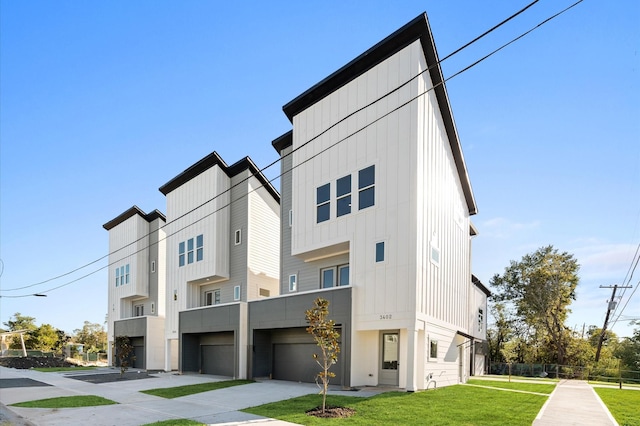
{"x":179,"y":391}
{"x":528,"y":387}
{"x":622,"y":403}
{"x":452,"y":405}
{"x":66,"y":402}
{"x":59,"y":369}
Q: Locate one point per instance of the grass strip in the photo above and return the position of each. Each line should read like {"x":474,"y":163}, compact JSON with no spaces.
{"x":179,"y":391}
{"x":622,"y":403}
{"x":59,"y":369}
{"x":66,"y":402}
{"x":526,"y":387}
{"x":449,"y":406}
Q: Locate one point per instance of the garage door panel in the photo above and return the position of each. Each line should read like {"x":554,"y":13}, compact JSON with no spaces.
{"x":295,"y":362}
{"x":217,"y":360}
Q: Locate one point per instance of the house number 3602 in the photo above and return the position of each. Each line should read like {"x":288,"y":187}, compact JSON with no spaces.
{"x":385,"y":317}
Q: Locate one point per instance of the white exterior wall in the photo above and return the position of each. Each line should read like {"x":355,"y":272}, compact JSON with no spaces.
{"x":263,"y":241}
{"x":212,"y":221}
{"x":122,"y":249}
{"x":419,"y":202}
{"x":154,"y":344}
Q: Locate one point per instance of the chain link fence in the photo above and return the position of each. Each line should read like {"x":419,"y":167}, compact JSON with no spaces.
{"x":555,"y":371}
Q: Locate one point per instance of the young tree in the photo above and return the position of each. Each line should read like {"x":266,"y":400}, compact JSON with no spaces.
{"x":124,"y":353}
{"x":541,"y":287}
{"x":327,"y":339}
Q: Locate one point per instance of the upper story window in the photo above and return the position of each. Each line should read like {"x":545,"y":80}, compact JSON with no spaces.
{"x":236,"y":292}
{"x":181,"y":254}
{"x":138,"y":310}
{"x":191,"y":250}
{"x":238,"y":236}
{"x":323,"y":204}
{"x":122,"y":275}
{"x":480,"y":319}
{"x":380,"y":251}
{"x":293,"y":282}
{"x":334,"y":276}
{"x":343,"y":196}
{"x":199,"y":248}
{"x":212,"y":297}
{"x":153,"y":266}
{"x":366,"y":187}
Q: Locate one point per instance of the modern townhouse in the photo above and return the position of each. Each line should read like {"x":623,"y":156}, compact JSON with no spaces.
{"x":222,"y":251}
{"x":375,"y":210}
{"x":136,"y":288}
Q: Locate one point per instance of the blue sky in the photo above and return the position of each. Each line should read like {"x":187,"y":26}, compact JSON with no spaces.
{"x":101,"y":103}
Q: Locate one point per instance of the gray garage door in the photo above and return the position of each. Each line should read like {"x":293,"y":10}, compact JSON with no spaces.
{"x":294,"y":362}
{"x":138,"y":352}
{"x":217,"y":359}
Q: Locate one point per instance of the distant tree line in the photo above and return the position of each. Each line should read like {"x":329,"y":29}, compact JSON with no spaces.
{"x":47,"y":338}
{"x":530,"y":305}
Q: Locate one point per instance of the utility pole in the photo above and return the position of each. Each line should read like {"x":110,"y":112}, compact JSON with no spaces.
{"x":611,"y":307}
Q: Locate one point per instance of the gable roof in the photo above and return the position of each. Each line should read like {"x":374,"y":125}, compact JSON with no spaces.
{"x":132,"y":211}
{"x":417,"y":29}
{"x":213,"y":160}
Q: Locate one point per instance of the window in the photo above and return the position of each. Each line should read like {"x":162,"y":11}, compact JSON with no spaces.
{"x":236,"y":292}
{"x":327,"y":277}
{"x":212,"y":297}
{"x":343,"y":275}
{"x":334,"y":276}
{"x":153,"y":308}
{"x":190,"y":250}
{"x":153,"y":266}
{"x":435,"y":254}
{"x":366,"y":187}
{"x":293,"y":282}
{"x":433,"y":349}
{"x":181,"y":254}
{"x":192,"y":253}
{"x":380,"y":251}
{"x":323,"y":195}
{"x":199,"y":248}
{"x":138,"y":310}
{"x":480,"y":319}
{"x":126,"y":276}
{"x":238,"y":237}
{"x":343,"y":195}
{"x":117,"y":277}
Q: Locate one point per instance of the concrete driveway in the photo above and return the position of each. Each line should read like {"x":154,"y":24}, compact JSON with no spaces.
{"x":134,"y":408}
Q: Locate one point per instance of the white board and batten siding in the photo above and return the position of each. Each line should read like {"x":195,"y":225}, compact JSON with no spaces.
{"x":128,"y":245}
{"x":208,"y":190}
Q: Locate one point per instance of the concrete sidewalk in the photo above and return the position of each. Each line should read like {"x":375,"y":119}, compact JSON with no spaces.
{"x":574,"y":402}
{"x":214,"y":407}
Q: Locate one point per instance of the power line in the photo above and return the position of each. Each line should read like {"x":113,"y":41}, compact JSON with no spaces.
{"x":300,"y":147}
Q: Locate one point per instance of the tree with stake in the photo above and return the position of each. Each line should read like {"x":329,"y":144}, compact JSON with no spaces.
{"x":326,"y":337}
{"x":124,"y":351}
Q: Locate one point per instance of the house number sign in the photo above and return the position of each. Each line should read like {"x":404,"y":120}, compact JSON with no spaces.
{"x":385,"y":316}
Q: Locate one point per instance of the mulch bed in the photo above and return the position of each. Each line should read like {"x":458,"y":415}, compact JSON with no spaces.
{"x":331,"y":412}
{"x":111,"y":377}
{"x":26,"y":362}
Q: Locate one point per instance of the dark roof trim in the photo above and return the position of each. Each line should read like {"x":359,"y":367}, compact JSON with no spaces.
{"x":135,"y":210}
{"x":481,"y":286}
{"x":466,"y":336}
{"x":198,"y":168}
{"x":418,"y":28}
{"x":212,"y":160}
{"x":283,"y":141}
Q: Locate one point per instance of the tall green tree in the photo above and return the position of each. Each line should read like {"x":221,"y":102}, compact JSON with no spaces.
{"x":327,"y":338}
{"x":44,"y":338}
{"x":541,"y":287}
{"x":20,"y":322}
{"x":92,"y":336}
{"x":628,"y":350}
